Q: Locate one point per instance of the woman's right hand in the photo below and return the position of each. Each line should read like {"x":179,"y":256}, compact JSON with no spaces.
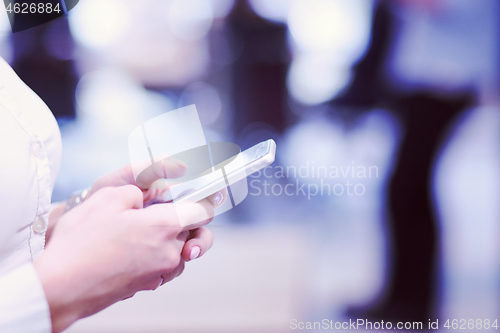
{"x":109,"y":248}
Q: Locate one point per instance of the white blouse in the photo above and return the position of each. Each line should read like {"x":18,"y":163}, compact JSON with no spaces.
{"x":30,"y":155}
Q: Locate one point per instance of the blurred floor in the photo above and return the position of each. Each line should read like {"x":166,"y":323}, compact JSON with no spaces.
{"x":251,"y":281}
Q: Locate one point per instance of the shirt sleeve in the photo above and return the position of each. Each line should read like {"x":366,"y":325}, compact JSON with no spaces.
{"x":23,"y":306}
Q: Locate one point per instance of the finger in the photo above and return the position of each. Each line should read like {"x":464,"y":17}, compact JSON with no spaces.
{"x":125,"y":175}
{"x":158,"y":188}
{"x":184,"y":236}
{"x":200,"y":242}
{"x":167,"y":168}
{"x":131,"y":196}
{"x":218,"y":199}
{"x":184,"y":215}
{"x":193,"y":215}
{"x":150,"y":194}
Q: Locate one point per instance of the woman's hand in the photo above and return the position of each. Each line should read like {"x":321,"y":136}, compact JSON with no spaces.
{"x":125,"y":176}
{"x":152,"y":184}
{"x":109,"y":248}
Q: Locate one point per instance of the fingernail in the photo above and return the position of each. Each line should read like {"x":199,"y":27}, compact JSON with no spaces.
{"x":195,"y":252}
{"x":218,"y":197}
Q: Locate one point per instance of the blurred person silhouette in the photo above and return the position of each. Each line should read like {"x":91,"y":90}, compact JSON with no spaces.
{"x":258,"y":73}
{"x":427,"y":62}
{"x":43,"y":58}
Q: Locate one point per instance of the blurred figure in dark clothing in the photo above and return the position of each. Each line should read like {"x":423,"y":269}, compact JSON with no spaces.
{"x":43,"y":60}
{"x":259,"y":70}
{"x":411,"y":292}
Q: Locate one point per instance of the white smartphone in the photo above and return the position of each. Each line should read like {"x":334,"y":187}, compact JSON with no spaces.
{"x":224,"y":174}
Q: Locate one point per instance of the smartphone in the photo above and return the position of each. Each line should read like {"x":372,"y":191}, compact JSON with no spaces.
{"x":223,"y":174}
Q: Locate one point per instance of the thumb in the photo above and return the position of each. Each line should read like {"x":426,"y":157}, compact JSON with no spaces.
{"x":167,"y":168}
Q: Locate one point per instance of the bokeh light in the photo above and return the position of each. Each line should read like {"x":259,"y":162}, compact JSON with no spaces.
{"x":313,"y":78}
{"x":275,"y":10}
{"x":116,"y":102}
{"x":207,"y":101}
{"x":319,"y":140}
{"x":221,"y":8}
{"x":190,"y":19}
{"x":328,"y":36}
{"x":100,"y":23}
{"x":331,"y":24}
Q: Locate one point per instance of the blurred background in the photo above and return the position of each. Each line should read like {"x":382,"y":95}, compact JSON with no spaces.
{"x":406,"y":90}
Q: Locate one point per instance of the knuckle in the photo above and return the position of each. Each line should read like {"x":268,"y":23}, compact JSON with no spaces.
{"x":106,"y":193}
{"x":112,"y":190}
{"x":129,"y":194}
{"x":132,"y":190}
